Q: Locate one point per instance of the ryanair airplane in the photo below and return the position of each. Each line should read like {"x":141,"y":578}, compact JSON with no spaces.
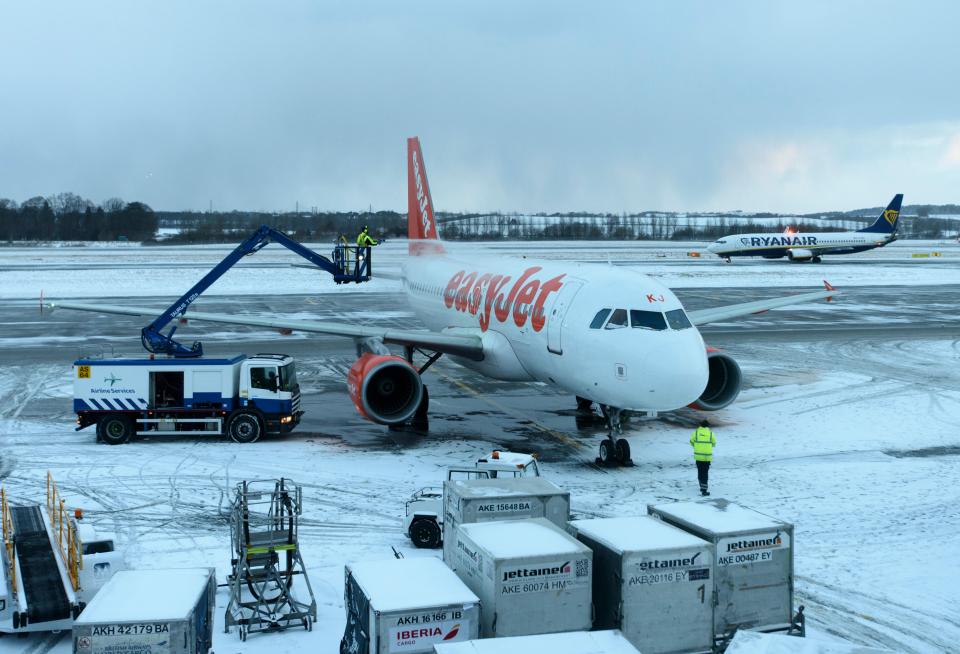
{"x":810,"y":247}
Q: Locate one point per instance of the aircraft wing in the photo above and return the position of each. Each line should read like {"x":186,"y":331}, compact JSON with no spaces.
{"x":715,"y":314}
{"x":459,"y":345}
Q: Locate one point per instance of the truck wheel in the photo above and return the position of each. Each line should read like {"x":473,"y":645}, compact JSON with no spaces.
{"x":425,"y":532}
{"x":115,"y":429}
{"x":244,"y":428}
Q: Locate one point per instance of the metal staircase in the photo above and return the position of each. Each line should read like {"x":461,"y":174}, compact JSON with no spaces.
{"x":266,"y":560}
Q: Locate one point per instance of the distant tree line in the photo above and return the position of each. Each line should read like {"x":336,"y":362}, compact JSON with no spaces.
{"x":69,"y":217}
{"x":223,"y":227}
{"x":664,"y":226}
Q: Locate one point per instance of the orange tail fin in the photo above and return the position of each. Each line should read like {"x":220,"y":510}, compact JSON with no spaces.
{"x":421,"y":224}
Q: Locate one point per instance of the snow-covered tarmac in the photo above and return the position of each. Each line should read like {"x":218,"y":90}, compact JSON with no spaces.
{"x":851,"y":436}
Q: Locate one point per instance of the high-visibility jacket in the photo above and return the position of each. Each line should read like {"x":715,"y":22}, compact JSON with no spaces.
{"x":703,"y":441}
{"x":364,"y":240}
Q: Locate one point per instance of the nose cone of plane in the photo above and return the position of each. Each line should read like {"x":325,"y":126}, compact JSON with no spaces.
{"x":677,"y":372}
{"x":713,"y":247}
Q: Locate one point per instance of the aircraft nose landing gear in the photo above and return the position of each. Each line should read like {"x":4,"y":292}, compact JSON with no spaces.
{"x":614,"y":449}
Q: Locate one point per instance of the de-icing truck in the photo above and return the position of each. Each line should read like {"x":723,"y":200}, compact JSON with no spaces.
{"x":241,"y":397}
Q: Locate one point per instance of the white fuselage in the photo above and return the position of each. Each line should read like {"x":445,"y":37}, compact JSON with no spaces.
{"x":539,"y":321}
{"x":802,"y":246}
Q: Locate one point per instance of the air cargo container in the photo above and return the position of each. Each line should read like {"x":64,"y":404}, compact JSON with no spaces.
{"x":532,"y":577}
{"x":652,"y":581}
{"x":406,"y":605}
{"x":752,"y":562}
{"x":149,"y":612}
{"x":482,"y":500}
{"x":572,"y":642}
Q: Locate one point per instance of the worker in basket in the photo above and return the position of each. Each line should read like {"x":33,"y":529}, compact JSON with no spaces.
{"x":364,"y":243}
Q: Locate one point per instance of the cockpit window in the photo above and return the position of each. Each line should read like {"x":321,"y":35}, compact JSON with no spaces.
{"x":598,"y":319}
{"x":647,"y":320}
{"x":678,"y":319}
{"x":618,"y":319}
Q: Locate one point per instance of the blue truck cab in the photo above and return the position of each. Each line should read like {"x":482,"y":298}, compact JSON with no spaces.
{"x":242,"y":397}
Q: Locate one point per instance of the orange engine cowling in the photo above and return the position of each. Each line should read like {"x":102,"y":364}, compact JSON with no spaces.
{"x":723,"y":383}
{"x":384,"y":388}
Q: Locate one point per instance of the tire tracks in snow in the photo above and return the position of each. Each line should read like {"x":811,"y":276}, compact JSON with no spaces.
{"x":44,"y":643}
{"x":852,"y":614}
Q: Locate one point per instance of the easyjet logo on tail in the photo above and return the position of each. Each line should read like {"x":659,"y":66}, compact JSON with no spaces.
{"x":489,"y":296}
{"x":422,"y":201}
{"x":420,"y":218}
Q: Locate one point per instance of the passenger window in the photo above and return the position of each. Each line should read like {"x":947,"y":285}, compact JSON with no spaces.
{"x":647,"y":320}
{"x":618,"y":319}
{"x":678,"y":319}
{"x":599,"y":318}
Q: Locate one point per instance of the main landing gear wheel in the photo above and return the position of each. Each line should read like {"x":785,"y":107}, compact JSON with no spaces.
{"x":115,"y":429}
{"x":623,"y":452}
{"x":420,"y":419}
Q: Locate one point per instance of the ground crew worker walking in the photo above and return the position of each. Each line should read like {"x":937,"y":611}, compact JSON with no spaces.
{"x":703,"y":442}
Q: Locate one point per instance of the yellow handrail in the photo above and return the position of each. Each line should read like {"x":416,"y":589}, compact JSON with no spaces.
{"x":348,"y":265}
{"x":72,"y":552}
{"x":7,"y":521}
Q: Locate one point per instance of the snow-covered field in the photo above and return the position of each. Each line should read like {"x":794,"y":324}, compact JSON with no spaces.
{"x":854,"y":441}
{"x":112,"y":270}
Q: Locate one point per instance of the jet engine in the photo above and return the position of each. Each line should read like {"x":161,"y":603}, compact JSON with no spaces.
{"x":799,"y":254}
{"x":723,"y":383}
{"x":385,"y":388}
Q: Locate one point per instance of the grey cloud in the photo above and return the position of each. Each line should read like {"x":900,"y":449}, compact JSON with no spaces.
{"x":520,"y":106}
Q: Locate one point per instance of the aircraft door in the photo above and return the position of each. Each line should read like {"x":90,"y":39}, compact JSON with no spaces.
{"x":558,"y":313}
{"x":263,"y":384}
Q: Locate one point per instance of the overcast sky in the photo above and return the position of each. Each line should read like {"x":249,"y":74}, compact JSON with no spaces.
{"x":539,"y":106}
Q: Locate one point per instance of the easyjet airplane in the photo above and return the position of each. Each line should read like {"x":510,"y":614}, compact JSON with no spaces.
{"x":604,"y":334}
